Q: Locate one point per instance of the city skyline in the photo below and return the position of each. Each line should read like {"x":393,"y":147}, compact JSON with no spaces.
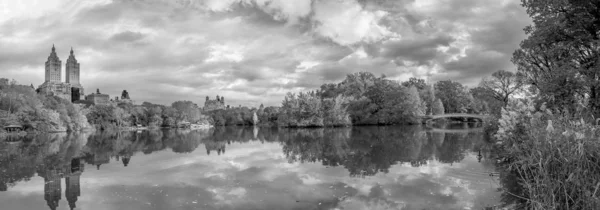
{"x":254,"y":51}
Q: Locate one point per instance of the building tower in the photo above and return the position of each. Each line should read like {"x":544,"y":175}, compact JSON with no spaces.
{"x":72,"y":70}
{"x":53,"y":67}
{"x":72,"y":73}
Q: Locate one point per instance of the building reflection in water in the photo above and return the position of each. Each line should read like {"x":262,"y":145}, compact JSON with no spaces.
{"x":52,"y":183}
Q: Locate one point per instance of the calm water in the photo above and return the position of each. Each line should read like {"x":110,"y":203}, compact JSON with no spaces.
{"x":250,"y":168}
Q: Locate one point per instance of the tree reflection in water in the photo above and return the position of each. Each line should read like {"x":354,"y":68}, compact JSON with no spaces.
{"x":362,"y":151}
{"x":366,"y":151}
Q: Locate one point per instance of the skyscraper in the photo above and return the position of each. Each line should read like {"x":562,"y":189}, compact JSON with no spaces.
{"x":53,"y":67}
{"x":72,"y":69}
{"x":72,"y":72}
{"x":71,"y":89}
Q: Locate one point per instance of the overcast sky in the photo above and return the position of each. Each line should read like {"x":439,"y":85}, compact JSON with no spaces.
{"x":254,"y":51}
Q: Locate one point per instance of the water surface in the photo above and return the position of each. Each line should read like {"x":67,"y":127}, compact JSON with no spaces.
{"x":250,"y":168}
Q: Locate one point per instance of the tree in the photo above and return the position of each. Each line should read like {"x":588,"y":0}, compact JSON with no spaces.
{"x":329,"y":90}
{"x":487,"y":98}
{"x":186,"y":110}
{"x":418,"y":83}
{"x":438,"y":107}
{"x":503,"y":84}
{"x":413,"y":101}
{"x":453,"y":95}
{"x":254,"y":119}
{"x":428,"y":97}
{"x":560,"y":55}
{"x":356,"y":84}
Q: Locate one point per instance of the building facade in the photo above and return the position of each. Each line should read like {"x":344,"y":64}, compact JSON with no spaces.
{"x":72,"y":75}
{"x":98,"y":98}
{"x":53,"y":67}
{"x":124,"y":98}
{"x":210,"y":105}
{"x":71,"y":89}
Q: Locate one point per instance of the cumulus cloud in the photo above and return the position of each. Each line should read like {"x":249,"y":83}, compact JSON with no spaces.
{"x":254,"y":51}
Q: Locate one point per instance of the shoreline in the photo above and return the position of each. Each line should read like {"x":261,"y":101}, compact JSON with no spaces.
{"x":133,"y":128}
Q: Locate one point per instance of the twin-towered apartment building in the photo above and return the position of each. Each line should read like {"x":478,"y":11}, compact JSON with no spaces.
{"x":72,"y":89}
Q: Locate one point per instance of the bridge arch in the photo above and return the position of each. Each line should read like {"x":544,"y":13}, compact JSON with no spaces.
{"x":428,"y":118}
{"x":470,"y":130}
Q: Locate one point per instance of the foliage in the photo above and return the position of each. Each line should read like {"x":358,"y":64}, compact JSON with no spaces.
{"x":20,"y":104}
{"x":415,"y":82}
{"x":438,"y":107}
{"x":335,"y":111}
{"x":356,"y":84}
{"x":105,"y":116}
{"x":559,"y":58}
{"x":489,"y":103}
{"x":234,"y":116}
{"x":301,"y":110}
{"x":553,"y":156}
{"x":254,"y":119}
{"x":502,"y":84}
{"x":186,"y":111}
{"x":453,"y":95}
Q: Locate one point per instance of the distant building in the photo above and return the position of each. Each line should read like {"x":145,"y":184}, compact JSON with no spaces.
{"x":71,"y":89}
{"x":98,"y":98}
{"x":124,"y":98}
{"x":210,"y":105}
{"x":72,"y":71}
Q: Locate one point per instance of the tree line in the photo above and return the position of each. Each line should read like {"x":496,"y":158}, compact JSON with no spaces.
{"x":20,"y":104}
{"x":360,"y":99}
{"x":365,"y":99}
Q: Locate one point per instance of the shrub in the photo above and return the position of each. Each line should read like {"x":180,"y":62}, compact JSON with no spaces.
{"x":554,"y":157}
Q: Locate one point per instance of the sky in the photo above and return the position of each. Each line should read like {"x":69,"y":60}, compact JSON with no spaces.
{"x":253,"y":52}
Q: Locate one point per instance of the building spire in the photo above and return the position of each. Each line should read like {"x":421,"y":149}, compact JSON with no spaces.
{"x":53,"y":47}
{"x":71,"y":50}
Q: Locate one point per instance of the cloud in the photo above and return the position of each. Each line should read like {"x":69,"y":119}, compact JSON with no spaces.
{"x":127,"y":36}
{"x":251,"y":51}
{"x":346,"y":23}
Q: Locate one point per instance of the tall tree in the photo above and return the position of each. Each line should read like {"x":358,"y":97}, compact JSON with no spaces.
{"x":438,"y":107}
{"x":503,"y":84}
{"x":254,"y":119}
{"x":186,"y":110}
{"x":416,"y":82}
{"x":453,"y":95}
{"x":560,"y":56}
{"x":358,"y":83}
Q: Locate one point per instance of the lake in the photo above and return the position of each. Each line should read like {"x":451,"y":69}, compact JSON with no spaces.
{"x":393,"y":167}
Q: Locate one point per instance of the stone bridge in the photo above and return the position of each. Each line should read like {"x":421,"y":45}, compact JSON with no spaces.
{"x":468,"y":130}
{"x":427,"y":118}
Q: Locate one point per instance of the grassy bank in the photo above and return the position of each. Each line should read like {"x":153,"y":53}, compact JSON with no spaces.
{"x":554,"y":159}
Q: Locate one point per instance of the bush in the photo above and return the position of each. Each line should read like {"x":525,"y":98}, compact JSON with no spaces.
{"x":554,"y":157}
